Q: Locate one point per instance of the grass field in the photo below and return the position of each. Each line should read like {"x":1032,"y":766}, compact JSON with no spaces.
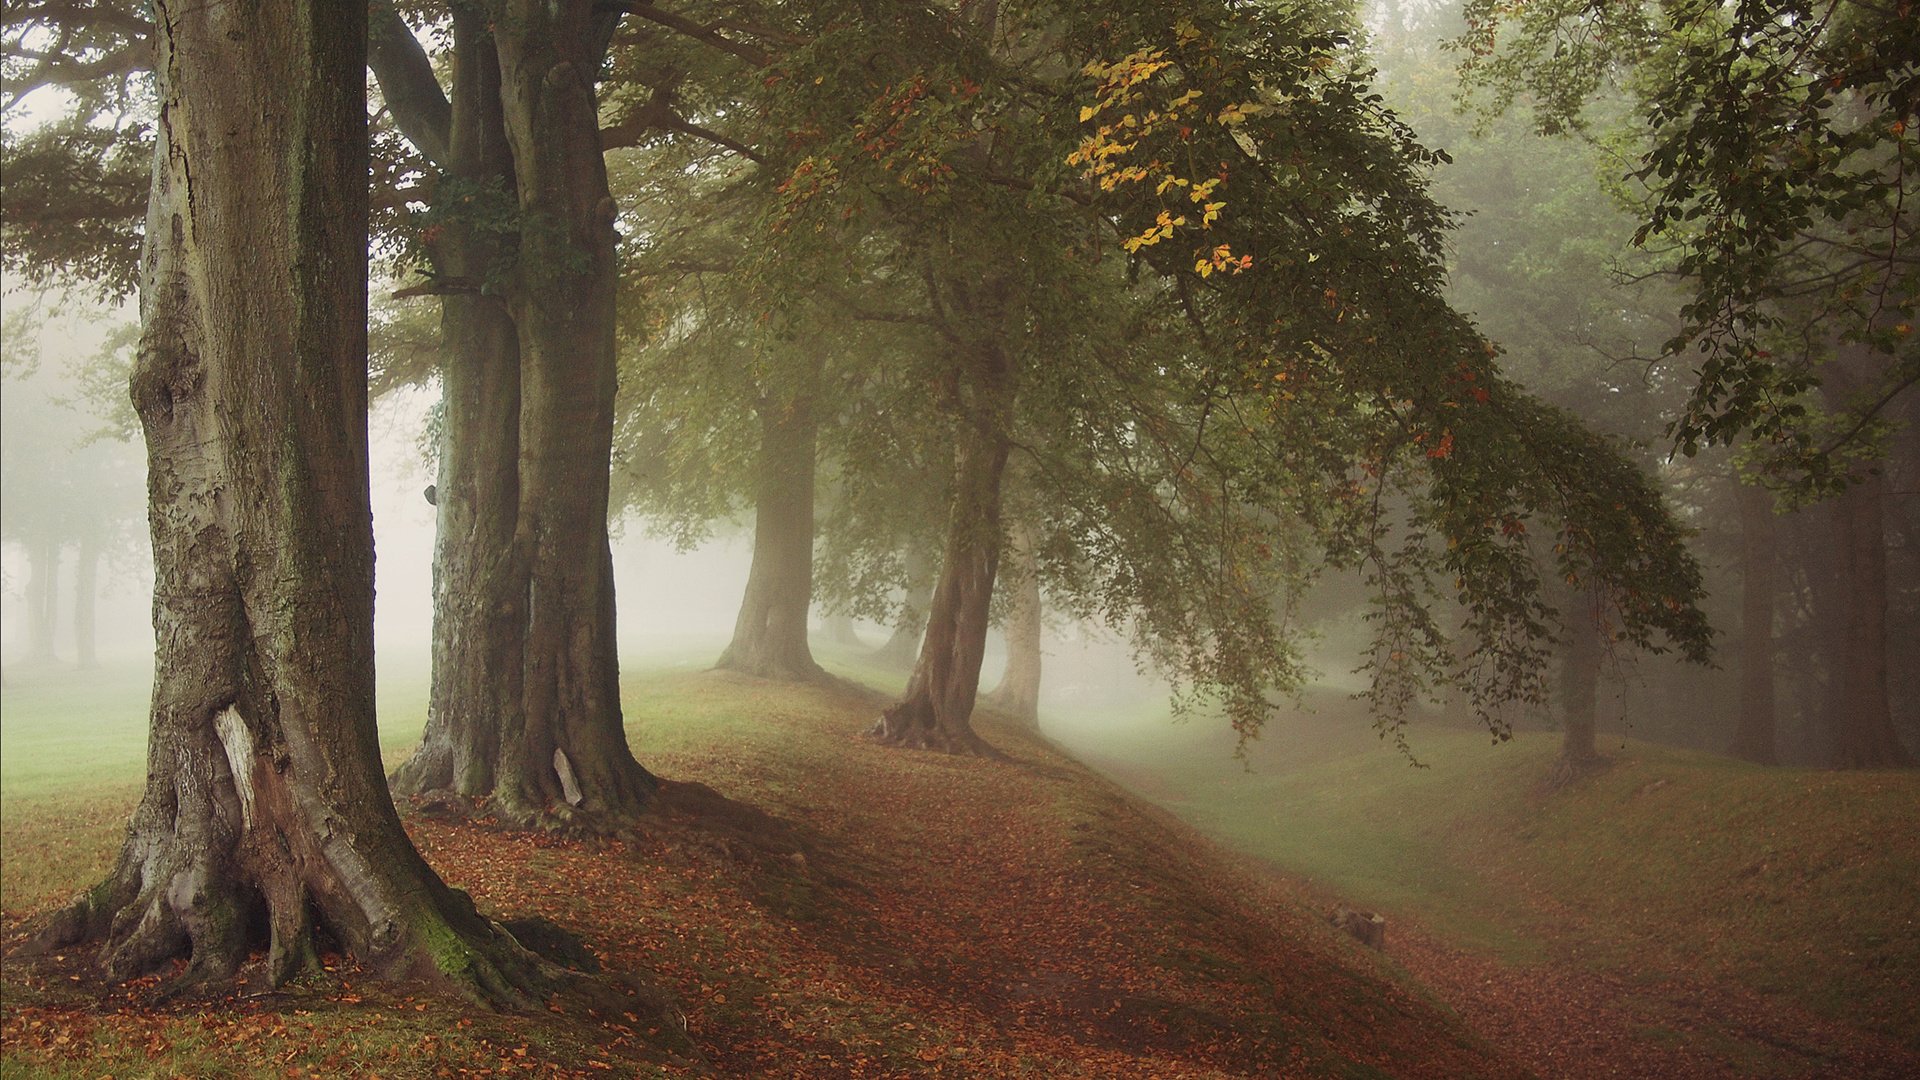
{"x":1798,"y":884}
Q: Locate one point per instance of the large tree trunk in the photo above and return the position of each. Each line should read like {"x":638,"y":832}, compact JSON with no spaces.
{"x":567,"y":746}
{"x":1754,"y":734}
{"x":1579,"y":689}
{"x":86,"y":587}
{"x":1018,"y":695}
{"x":479,"y":577}
{"x":936,"y":711}
{"x":770,"y":636}
{"x":903,"y":645}
{"x":265,"y":818}
{"x":43,"y":596}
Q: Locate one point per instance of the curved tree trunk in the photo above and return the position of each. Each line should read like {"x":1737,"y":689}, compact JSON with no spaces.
{"x":903,"y":645}
{"x":265,"y":818}
{"x":770,"y":636}
{"x":936,"y":711}
{"x":1018,"y":695}
{"x":479,"y":579}
{"x":1579,"y":687}
{"x":1754,"y":734}
{"x":566,"y":747}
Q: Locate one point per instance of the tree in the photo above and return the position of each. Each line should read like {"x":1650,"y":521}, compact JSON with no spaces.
{"x":265,"y":811}
{"x":770,"y":636}
{"x":1018,"y":694}
{"x":1754,"y":736}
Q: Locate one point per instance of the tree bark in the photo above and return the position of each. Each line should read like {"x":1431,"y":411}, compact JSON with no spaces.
{"x":1579,"y":688}
{"x":569,"y":727}
{"x":903,"y":645}
{"x":525,"y":703}
{"x":1755,"y":732}
{"x":265,"y":818}
{"x":770,"y":636}
{"x":936,"y":711}
{"x":1018,"y":695}
{"x":86,"y":586}
{"x":479,"y":578}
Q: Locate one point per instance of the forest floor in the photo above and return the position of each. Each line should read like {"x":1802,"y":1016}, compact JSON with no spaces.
{"x":812,"y":905}
{"x":837,"y":909}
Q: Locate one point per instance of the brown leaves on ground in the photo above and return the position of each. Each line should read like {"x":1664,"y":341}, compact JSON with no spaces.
{"x":851,"y":911}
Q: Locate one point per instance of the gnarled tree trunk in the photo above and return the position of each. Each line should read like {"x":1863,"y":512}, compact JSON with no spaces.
{"x":1018,"y":695}
{"x":770,"y":636}
{"x":265,"y":819}
{"x":1754,"y":733}
{"x":566,"y":747}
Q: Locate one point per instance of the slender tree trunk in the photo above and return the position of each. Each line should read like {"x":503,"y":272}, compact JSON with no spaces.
{"x":937,"y":709}
{"x":479,"y":576}
{"x":840,"y":630}
{"x":903,"y":645}
{"x":86,"y":586}
{"x":567,"y":746}
{"x":265,"y":818}
{"x":43,"y":597}
{"x":770,"y":636}
{"x":1754,"y":735}
{"x":1018,"y":695}
{"x":1579,"y":689}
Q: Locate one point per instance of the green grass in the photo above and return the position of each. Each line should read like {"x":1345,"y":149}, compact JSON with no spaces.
{"x":1791,"y":882}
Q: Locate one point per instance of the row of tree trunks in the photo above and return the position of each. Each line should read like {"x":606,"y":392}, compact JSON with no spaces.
{"x":525,"y":705}
{"x":770,"y":635}
{"x":265,"y":819}
{"x":567,"y":746}
{"x":479,"y":582}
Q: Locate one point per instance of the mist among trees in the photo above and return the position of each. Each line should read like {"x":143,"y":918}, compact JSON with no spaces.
{"x":1173,"y":391}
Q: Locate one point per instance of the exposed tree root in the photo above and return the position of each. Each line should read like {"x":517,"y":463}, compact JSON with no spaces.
{"x":911,"y":725}
{"x":1571,"y":769}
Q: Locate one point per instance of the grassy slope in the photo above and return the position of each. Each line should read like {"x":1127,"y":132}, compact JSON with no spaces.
{"x":1798,"y":884}
{"x":942,"y":917}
